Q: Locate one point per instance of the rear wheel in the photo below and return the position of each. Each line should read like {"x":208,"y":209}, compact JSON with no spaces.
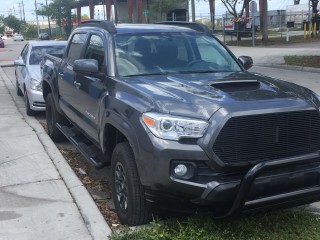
{"x":53,"y":117}
{"x":29,"y":111}
{"x":127,"y":191}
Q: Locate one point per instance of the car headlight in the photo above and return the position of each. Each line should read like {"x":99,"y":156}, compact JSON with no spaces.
{"x":35,"y":85}
{"x":173,"y":128}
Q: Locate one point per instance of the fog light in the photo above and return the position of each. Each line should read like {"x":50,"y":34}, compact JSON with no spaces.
{"x":181,"y":170}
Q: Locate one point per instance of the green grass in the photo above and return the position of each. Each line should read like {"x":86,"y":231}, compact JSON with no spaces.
{"x":286,"y":225}
{"x":304,"y":61}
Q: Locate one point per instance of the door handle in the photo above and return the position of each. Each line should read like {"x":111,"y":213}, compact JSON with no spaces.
{"x":60,"y":74}
{"x":77,"y":84}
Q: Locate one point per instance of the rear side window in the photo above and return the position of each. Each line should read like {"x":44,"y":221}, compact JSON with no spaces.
{"x":75,"y":48}
{"x":37,"y":53}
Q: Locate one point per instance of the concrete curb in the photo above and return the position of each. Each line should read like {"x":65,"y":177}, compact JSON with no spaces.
{"x":94,"y":221}
{"x":290,"y":67}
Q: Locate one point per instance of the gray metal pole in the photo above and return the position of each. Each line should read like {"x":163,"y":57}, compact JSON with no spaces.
{"x":253,"y":28}
{"x":193,"y":11}
{"x":35,"y":4}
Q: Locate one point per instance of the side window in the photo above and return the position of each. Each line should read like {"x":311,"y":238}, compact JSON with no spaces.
{"x":210,"y":52}
{"x":95,"y":50}
{"x":75,"y":47}
{"x":24,"y":53}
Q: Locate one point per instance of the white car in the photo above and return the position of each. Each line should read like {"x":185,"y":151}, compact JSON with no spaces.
{"x":18,"y":37}
{"x":28,"y":74}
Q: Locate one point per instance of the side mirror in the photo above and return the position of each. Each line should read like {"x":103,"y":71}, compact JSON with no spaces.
{"x":86,"y":65}
{"x":246,"y":62}
{"x":19,"y":62}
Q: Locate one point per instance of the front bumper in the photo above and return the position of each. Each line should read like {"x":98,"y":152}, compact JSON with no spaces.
{"x":268,"y":184}
{"x":36,"y":100}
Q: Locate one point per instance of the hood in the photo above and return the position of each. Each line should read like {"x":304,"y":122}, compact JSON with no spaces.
{"x":34,"y":71}
{"x":201,"y":95}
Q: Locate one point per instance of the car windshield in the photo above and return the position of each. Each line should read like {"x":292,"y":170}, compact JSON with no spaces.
{"x":163,"y":53}
{"x":38,"y":52}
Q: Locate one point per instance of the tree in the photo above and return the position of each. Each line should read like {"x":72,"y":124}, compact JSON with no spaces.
{"x":13,"y":23}
{"x":314,"y":7}
{"x":29,"y":30}
{"x":231,"y":6}
{"x":159,"y":7}
{"x":2,"y":27}
{"x":212,"y":7}
{"x":265,"y":20}
{"x":60,"y":10}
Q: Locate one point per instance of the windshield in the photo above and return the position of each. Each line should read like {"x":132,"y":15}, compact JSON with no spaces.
{"x":38,"y":52}
{"x":163,"y":53}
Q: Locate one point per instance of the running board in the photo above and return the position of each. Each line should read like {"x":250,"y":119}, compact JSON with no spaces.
{"x":85,"y":150}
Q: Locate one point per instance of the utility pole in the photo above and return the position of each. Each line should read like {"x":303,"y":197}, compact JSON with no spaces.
{"x":20,"y":12}
{"x":24,"y":15}
{"x":35,"y":4}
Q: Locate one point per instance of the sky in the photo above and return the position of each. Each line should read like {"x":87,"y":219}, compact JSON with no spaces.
{"x":202,"y":7}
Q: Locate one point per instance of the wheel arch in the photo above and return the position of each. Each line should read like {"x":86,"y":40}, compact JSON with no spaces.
{"x":115,"y":132}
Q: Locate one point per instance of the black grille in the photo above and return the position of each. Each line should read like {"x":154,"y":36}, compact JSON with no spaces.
{"x":268,"y":136}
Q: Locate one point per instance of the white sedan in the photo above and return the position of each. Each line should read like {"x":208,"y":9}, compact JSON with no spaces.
{"x":18,"y":37}
{"x":28,"y":75}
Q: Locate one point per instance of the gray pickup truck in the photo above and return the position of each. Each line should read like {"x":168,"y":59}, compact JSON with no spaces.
{"x":181,"y":121}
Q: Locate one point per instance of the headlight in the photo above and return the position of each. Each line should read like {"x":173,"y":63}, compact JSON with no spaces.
{"x":35,"y":85}
{"x":174,"y":128}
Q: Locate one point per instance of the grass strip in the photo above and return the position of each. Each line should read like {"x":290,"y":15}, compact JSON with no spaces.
{"x":286,"y":224}
{"x":304,"y":61}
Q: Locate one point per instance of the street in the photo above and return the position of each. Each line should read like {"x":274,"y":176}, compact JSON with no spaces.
{"x":11,"y":51}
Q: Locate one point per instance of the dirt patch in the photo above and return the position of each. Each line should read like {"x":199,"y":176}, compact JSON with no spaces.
{"x":95,"y":181}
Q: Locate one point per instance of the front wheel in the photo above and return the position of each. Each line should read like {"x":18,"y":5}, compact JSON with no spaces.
{"x":53,"y":117}
{"x":127,"y":191}
{"x":29,"y":111}
{"x":18,"y":90}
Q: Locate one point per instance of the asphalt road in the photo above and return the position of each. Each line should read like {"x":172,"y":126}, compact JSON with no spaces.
{"x":11,"y":50}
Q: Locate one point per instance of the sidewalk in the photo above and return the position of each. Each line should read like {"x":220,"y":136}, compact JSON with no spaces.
{"x":40,"y":196}
{"x":273,"y":55}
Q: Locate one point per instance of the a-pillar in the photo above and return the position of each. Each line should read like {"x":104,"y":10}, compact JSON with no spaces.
{"x":129,"y":3}
{"x":91,"y":8}
{"x":78,"y":13}
{"x":108,"y":9}
{"x":139,"y":11}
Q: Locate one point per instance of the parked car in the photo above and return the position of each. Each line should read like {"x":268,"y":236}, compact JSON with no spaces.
{"x":44,"y":36}
{"x":182,"y":121}
{"x":28,"y":75}
{"x":18,"y":37}
{"x":1,"y":43}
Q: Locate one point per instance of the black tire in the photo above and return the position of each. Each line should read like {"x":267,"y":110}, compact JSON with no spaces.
{"x":127,"y":191}
{"x":18,"y":90}
{"x":53,"y":117}
{"x":29,"y":111}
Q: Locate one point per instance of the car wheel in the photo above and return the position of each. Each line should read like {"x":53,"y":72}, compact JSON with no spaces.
{"x":29,"y":111}
{"x":127,"y":191}
{"x":18,"y":90}
{"x":53,"y":117}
